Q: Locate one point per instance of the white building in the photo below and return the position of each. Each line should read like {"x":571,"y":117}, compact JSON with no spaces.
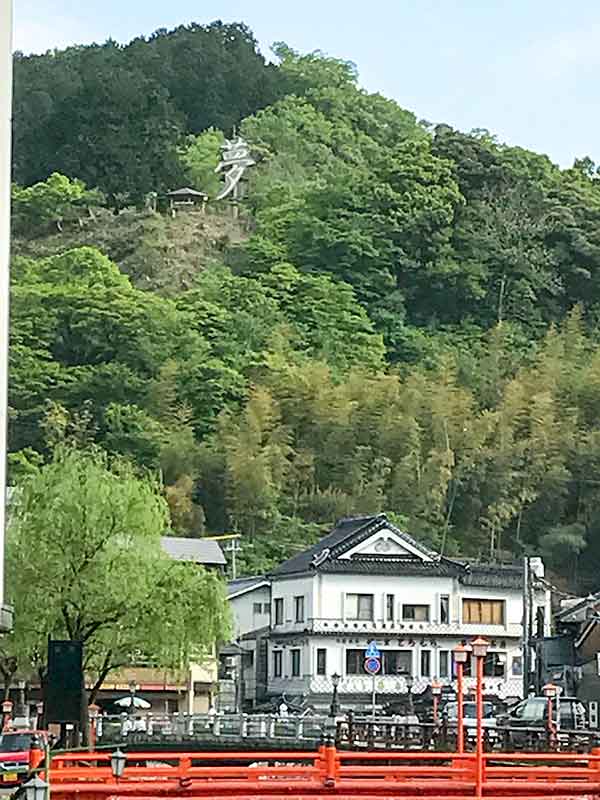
{"x":367,"y":581}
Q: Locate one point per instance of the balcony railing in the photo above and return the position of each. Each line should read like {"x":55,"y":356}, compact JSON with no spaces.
{"x":404,"y":628}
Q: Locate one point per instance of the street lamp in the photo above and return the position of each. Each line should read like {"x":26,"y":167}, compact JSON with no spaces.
{"x":479,"y":648}
{"x":93,"y":711}
{"x":334,"y":708}
{"x":133,"y":689}
{"x":409,"y":687}
{"x":36,"y":789}
{"x":551,"y":693}
{"x":436,"y":691}
{"x":461,"y":656}
{"x":7,"y":708}
{"x":117,"y":764}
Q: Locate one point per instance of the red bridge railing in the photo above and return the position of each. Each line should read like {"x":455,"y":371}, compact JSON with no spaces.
{"x":327,"y":771}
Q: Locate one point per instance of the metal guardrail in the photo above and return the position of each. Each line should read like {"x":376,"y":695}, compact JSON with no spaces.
{"x":351,"y":732}
{"x":210,"y":727}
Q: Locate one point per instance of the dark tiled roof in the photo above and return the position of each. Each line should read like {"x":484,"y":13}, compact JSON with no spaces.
{"x":494,"y":576}
{"x":392,"y":566}
{"x":585,"y":604}
{"x":200,"y":551}
{"x":344,"y":529}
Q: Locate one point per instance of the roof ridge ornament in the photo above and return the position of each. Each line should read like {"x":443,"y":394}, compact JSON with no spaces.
{"x":319,"y":558}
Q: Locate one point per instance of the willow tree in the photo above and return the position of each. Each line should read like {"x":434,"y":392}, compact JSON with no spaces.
{"x":84,"y":562}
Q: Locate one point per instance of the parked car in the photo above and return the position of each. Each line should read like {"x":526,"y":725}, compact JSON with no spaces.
{"x":450,"y":711}
{"x":20,"y":752}
{"x":533,"y":713}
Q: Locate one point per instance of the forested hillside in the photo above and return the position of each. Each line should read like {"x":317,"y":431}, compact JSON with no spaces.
{"x":404,"y":318}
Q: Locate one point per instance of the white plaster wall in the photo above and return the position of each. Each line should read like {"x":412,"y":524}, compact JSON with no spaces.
{"x":244,"y":617}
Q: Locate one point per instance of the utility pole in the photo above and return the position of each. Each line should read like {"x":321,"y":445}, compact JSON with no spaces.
{"x":5,"y":184}
{"x":526,"y":641}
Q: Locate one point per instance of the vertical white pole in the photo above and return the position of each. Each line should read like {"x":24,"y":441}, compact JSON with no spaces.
{"x":5,"y":182}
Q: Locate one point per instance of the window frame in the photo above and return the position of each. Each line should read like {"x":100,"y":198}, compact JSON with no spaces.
{"x":444,"y":601}
{"x":413,"y":606}
{"x":445,"y":672}
{"x":489,"y":604}
{"x":278,"y":663}
{"x":299,"y":606}
{"x":390,"y":607}
{"x":278,"y":610}
{"x":360,"y":616}
{"x":321,"y":661}
{"x":296,"y":662}
{"x":425,"y":655}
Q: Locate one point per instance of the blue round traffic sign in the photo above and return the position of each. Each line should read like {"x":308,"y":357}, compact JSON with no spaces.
{"x":372,"y":665}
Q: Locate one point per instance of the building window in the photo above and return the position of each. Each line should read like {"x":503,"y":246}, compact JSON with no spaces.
{"x":295,"y":663}
{"x":485,"y":612}
{"x":299,"y":608}
{"x":517,"y":666}
{"x":393,"y":662}
{"x":444,"y":609}
{"x":389,"y":607}
{"x":278,"y":610}
{"x":248,"y":660}
{"x":444,"y":663}
{"x":359,"y":606}
{"x":425,"y":663}
{"x":277,"y":663}
{"x":396,"y":662}
{"x":257,"y":608}
{"x":415,"y":613}
{"x":321,"y":661}
{"x":266,"y":608}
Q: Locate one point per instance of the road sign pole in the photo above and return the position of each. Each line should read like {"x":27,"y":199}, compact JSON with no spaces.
{"x":373,"y":699}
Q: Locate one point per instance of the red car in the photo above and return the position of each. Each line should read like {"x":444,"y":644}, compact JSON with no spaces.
{"x":20,"y":752}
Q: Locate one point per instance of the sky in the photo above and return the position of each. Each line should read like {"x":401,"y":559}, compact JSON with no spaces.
{"x":527,"y":70}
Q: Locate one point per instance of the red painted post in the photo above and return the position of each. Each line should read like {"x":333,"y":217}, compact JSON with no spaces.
{"x":460,"y":657}
{"x":460,"y":708}
{"x":479,"y":727}
{"x":330,"y":754}
{"x":479,"y":648}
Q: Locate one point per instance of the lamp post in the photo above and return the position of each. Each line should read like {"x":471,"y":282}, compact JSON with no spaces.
{"x":21,"y":687}
{"x":36,"y":789}
{"x":436,"y":691}
{"x":479,"y":648}
{"x":461,"y":654}
{"x":39,"y":711}
{"x":409,"y":687}
{"x":7,"y":708}
{"x":93,"y":711}
{"x":133,"y":689}
{"x":334,"y":708}
{"x":550,"y":692}
{"x":117,"y":764}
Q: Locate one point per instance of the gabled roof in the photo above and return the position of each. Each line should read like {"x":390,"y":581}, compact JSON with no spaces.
{"x":186,"y":192}
{"x":349,"y":532}
{"x":580,"y":611}
{"x":340,"y":552}
{"x":240,"y":586}
{"x":200,"y":551}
